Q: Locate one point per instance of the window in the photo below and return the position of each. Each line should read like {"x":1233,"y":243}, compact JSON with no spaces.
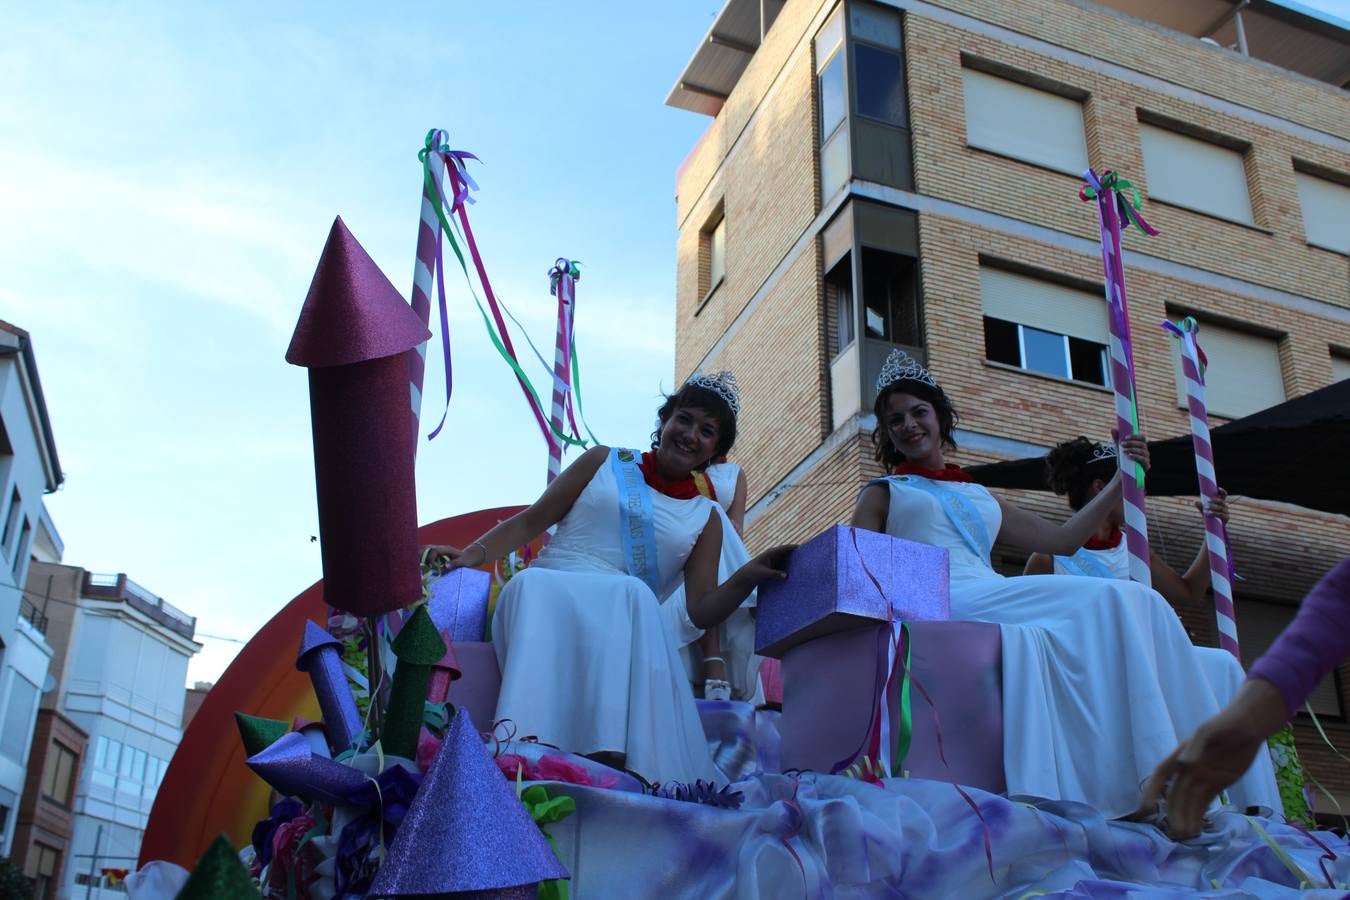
{"x":832,"y":95}
{"x":1195,"y":174}
{"x":1243,"y":375}
{"x":21,"y":551}
{"x":1259,"y":623}
{"x":1340,"y":367}
{"x":45,"y":865}
{"x":1326,"y":212}
{"x":878,"y":70}
{"x":23,"y":698}
{"x":712,"y":255}
{"x":717,"y":254}
{"x":839,"y":301}
{"x":889,"y":289}
{"x":1044,"y":327}
{"x":12,"y":519}
{"x":1024,"y":123}
{"x":57,"y":773}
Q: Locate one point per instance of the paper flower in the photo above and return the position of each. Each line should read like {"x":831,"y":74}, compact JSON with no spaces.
{"x":284,"y":811}
{"x":705,"y":792}
{"x":556,"y":767}
{"x":293,"y":861}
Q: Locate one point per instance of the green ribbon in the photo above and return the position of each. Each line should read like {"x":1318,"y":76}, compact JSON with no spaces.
{"x":546,"y":810}
{"x":1111,"y":181}
{"x":906,"y":712}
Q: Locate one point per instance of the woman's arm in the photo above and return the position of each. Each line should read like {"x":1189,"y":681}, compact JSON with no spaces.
{"x":1197,"y":577}
{"x":871,"y":508}
{"x":1031,"y":532}
{"x":529,"y":523}
{"x":1040,"y":564}
{"x":709,"y":603}
{"x":1194,"y":585}
{"x":737,"y":511}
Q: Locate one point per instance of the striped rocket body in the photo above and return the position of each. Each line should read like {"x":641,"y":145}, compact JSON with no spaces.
{"x":1122,"y":383}
{"x":561,"y":369}
{"x":428,"y":233}
{"x":1215,"y":538}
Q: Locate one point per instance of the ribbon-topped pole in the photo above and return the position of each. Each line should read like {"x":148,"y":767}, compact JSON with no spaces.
{"x":562,"y":278}
{"x":1109,"y":191}
{"x":1193,"y":363}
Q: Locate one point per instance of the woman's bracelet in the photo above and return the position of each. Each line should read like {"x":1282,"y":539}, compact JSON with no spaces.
{"x":479,"y":545}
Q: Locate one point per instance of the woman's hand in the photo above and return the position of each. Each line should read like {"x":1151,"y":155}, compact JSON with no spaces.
{"x":1218,"y":507}
{"x":1134,"y":446}
{"x":446,"y":558}
{"x":771,"y":565}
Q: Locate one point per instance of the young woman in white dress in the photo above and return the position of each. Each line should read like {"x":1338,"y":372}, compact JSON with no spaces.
{"x":1099,"y":678}
{"x":587,"y":661}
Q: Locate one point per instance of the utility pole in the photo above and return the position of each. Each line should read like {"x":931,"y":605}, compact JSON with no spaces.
{"x":93,"y":864}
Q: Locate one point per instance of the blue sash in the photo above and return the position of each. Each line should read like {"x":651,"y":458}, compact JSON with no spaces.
{"x":963,"y":515}
{"x":636,"y":527}
{"x":1085,"y":562}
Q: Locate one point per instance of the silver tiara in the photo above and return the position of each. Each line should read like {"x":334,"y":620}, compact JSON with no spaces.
{"x":900,"y":366}
{"x":1104,"y":451}
{"x":723,"y":384}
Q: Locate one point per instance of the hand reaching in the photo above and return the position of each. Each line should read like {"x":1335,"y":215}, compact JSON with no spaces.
{"x":771,"y":565}
{"x":446,"y":558}
{"x":1134,"y":446}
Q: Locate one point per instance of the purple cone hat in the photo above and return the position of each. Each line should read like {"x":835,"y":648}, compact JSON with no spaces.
{"x":466,"y":829}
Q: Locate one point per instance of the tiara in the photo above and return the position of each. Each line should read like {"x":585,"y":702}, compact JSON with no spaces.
{"x":1104,"y":451}
{"x":900,"y":366}
{"x":723,"y":384}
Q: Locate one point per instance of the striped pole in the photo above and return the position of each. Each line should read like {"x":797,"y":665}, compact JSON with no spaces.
{"x":562,"y":282}
{"x":1122,"y":374}
{"x":1216,"y":536}
{"x":428,"y":237}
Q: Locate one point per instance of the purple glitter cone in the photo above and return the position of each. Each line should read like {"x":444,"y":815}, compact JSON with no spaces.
{"x":290,"y":766}
{"x":320,"y":655}
{"x":466,"y":829}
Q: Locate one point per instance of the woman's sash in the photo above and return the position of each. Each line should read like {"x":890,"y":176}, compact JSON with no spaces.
{"x":636,"y":528}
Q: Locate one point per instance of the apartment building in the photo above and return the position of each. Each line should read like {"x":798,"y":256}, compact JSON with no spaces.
{"x":906,"y":173}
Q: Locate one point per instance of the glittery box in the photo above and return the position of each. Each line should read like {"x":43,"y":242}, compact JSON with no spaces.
{"x":459,"y":604}
{"x":830,"y":587}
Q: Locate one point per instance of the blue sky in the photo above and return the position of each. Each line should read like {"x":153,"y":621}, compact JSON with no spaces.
{"x":168,"y":175}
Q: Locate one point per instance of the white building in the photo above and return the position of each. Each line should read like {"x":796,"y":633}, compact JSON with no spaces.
{"x":121,"y":657}
{"x":29,"y":469}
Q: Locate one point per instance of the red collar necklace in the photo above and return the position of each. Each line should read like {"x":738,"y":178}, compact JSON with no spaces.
{"x":1107,"y":543}
{"x":949,"y":472}
{"x":696,"y":485}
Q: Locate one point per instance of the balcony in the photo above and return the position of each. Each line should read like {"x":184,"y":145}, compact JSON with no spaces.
{"x":29,"y":612}
{"x":120,"y":588}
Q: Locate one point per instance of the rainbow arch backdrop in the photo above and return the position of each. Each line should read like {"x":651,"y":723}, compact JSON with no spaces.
{"x":208,"y":789}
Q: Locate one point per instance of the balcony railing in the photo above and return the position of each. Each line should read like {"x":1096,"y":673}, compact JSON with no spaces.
{"x":30,"y":613}
{"x":103,"y":586}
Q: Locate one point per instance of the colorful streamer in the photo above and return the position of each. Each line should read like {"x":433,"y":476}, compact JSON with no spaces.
{"x":1112,"y":208}
{"x":563,"y":279}
{"x":1193,"y":364}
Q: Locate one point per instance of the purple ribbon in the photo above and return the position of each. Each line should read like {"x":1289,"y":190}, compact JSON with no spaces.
{"x":385,"y":805}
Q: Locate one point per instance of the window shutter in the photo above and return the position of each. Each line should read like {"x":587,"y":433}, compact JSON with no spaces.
{"x":1022,"y":122}
{"x":1044,"y":305}
{"x":1195,"y":174}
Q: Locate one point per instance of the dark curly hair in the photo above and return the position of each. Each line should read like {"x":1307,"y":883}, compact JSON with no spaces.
{"x":1070,"y":469}
{"x":885,"y":452}
{"x":691,"y":396}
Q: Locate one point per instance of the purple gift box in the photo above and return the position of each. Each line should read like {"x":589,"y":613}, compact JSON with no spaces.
{"x":830,"y":587}
{"x":459,"y":604}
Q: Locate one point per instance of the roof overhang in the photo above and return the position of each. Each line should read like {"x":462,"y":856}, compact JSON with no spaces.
{"x":722,"y":55}
{"x":15,"y":341}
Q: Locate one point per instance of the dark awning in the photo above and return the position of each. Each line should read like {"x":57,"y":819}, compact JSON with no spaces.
{"x":1295,"y":452}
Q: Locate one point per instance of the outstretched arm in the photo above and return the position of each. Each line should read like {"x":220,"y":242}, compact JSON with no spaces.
{"x":1031,"y":532}
{"x":1192,"y":587}
{"x":529,"y":523}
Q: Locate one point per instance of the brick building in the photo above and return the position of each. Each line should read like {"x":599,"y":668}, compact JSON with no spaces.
{"x":905,"y":173}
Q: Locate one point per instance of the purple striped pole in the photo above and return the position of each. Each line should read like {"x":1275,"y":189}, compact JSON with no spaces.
{"x":562,"y":279}
{"x":1122,"y":374}
{"x":1216,"y":536}
{"x":428,"y":237}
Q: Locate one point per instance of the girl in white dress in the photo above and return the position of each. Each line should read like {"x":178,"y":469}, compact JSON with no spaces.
{"x":1099,"y":681}
{"x":586,"y":659}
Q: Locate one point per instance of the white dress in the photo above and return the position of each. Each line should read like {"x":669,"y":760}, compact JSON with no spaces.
{"x":1100,"y":681}
{"x":587,"y":662}
{"x":738,"y":631}
{"x":1222,"y":671}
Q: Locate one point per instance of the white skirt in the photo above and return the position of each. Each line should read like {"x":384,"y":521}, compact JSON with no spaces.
{"x":1100,"y":683}
{"x":587,"y":665}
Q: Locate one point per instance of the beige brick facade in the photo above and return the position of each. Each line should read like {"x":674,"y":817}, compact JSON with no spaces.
{"x":758,"y":165}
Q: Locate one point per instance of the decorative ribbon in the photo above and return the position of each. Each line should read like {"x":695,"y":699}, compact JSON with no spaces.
{"x":546,"y":810}
{"x":636,"y":528}
{"x":1193,"y":365}
{"x":562,"y":284}
{"x":1110,"y":180}
{"x":1106,"y":192}
{"x":1085,"y":562}
{"x":434,"y":155}
{"x":961,"y":513}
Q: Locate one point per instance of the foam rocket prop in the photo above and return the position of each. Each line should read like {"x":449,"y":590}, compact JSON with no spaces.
{"x":321,"y":656}
{"x":258,"y":733}
{"x":443,"y":671}
{"x":466,"y":831}
{"x":297,"y":771}
{"x":418,"y":648}
{"x":219,"y":874}
{"x":353,"y":336}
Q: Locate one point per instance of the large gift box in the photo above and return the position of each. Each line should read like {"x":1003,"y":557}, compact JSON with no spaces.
{"x":459,"y":604}
{"x":846,"y":577}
